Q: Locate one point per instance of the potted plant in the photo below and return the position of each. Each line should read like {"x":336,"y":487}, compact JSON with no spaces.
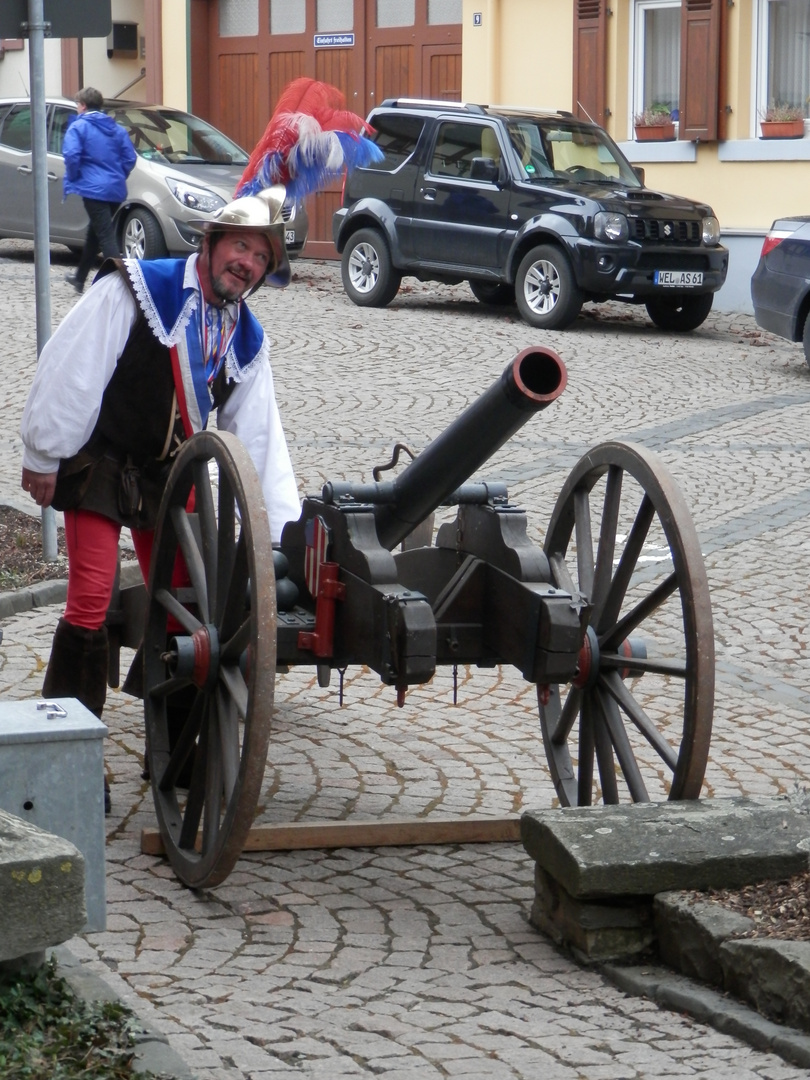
{"x":783,"y":122}
{"x":655,"y":123}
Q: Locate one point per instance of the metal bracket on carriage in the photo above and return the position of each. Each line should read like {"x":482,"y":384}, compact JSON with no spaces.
{"x":322,"y":582}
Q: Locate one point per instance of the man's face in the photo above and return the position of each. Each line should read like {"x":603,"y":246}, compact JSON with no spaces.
{"x":237,"y":262}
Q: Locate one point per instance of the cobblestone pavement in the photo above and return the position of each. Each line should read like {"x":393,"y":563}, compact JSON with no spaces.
{"x":421,"y":961}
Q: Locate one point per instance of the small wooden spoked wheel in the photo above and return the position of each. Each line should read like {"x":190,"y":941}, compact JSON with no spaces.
{"x":636,"y":720}
{"x":209,"y":657}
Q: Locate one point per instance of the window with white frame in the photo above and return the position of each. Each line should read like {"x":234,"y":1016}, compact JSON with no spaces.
{"x":656,"y":55}
{"x":782,"y":60}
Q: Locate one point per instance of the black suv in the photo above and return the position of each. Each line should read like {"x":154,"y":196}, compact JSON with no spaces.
{"x":536,"y":208}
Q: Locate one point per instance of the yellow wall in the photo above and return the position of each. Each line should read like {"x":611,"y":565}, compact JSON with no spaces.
{"x":175,"y":54}
{"x":522,"y":54}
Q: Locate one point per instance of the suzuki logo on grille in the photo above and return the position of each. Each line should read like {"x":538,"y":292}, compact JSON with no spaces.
{"x":667,"y":229}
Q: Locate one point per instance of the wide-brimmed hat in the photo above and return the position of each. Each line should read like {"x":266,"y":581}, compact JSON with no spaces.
{"x":256,"y":213}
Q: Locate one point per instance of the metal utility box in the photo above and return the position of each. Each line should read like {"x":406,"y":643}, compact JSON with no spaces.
{"x":52,"y":776}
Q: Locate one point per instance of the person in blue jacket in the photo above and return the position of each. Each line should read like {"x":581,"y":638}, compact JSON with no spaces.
{"x":99,"y":157}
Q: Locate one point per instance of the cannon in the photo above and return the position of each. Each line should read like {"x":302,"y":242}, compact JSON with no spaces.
{"x":610,"y":619}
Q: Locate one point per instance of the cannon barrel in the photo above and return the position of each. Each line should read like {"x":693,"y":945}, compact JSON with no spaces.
{"x":530,"y":383}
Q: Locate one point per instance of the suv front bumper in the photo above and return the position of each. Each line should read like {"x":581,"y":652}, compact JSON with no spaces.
{"x":629,"y":270}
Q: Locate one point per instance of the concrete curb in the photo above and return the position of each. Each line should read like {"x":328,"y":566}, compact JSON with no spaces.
{"x":677,"y":992}
{"x":152,"y":1051}
{"x":40,"y":594}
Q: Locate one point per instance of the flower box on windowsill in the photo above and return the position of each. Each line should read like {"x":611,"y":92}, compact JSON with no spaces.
{"x":655,"y":132}
{"x":782,"y":129}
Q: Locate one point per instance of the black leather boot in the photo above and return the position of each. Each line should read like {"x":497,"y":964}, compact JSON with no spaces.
{"x":77,"y":668}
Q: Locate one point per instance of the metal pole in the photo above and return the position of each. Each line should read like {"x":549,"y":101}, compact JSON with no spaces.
{"x":42,"y":246}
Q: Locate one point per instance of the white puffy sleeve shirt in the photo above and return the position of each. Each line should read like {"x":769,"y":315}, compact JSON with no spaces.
{"x":78,"y":362}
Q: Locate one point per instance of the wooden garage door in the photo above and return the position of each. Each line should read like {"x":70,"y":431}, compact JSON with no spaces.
{"x":244,"y":52}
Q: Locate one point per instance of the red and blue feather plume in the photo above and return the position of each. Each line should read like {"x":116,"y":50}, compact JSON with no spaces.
{"x":310,"y":140}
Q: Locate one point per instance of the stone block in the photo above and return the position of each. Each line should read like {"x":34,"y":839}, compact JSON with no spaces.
{"x":41,"y":889}
{"x":689,"y":933}
{"x":773,"y":975}
{"x":598,"y":930}
{"x":648,"y":848}
{"x":52,"y":776}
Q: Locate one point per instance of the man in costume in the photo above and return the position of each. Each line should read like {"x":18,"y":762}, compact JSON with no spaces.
{"x":132,"y":371}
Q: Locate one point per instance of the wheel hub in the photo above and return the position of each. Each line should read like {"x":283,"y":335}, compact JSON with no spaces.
{"x":196,"y":658}
{"x":590,"y":658}
{"x":587,"y":662}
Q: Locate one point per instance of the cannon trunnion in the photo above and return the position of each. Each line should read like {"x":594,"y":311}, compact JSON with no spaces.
{"x":611,"y":619}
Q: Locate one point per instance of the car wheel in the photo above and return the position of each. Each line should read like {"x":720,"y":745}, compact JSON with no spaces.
{"x":143,"y":237}
{"x":546,"y":292}
{"x":806,"y":338}
{"x":494,"y":293}
{"x":369,"y":278}
{"x":680,"y":312}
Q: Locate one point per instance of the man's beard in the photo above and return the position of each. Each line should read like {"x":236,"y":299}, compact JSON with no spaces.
{"x":225,"y":294}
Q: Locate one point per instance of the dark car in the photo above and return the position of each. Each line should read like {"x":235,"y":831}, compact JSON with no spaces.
{"x":538,"y":209}
{"x":780,"y":285}
{"x":185,"y":170}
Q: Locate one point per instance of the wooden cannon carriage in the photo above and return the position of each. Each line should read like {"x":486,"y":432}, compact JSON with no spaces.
{"x":611,"y":611}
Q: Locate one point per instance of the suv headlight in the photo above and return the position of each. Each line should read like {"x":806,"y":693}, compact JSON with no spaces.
{"x":195,"y":198}
{"x":607,"y":226}
{"x":711,"y":231}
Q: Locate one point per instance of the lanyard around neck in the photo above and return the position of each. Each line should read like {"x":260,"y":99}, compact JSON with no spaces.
{"x":216,"y":331}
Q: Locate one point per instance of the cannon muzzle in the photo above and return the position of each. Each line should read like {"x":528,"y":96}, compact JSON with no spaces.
{"x":530,"y":383}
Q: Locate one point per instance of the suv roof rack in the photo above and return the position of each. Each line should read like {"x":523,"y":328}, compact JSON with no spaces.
{"x":530,"y":111}
{"x":431,"y":103}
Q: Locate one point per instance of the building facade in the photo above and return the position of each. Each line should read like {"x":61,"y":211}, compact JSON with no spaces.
{"x":713,"y":68}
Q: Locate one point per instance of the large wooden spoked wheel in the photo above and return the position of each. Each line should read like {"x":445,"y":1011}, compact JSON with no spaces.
{"x":636,"y":720}
{"x":209,"y":657}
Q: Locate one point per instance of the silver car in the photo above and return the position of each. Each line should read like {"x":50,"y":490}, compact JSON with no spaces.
{"x":185,"y":169}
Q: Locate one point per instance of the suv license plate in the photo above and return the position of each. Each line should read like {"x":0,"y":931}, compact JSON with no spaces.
{"x":678,"y":278}
{"x":289,"y":237}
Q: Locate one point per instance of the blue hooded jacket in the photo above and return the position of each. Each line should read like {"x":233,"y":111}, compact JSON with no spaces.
{"x":99,"y":157}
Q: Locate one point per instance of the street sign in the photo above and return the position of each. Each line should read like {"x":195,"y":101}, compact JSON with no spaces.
{"x":68,"y":18}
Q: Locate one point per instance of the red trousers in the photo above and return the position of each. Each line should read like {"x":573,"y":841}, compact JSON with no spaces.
{"x":92,"y":546}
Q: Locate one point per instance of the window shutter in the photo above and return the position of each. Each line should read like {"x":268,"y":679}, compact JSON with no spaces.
{"x":590,"y":35}
{"x":700,"y":69}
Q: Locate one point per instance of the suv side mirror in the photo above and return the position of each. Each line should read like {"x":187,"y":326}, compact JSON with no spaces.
{"x":637,"y":169}
{"x":485,"y":169}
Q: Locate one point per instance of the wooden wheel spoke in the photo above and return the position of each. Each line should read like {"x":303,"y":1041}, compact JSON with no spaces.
{"x":642,"y":610}
{"x":624,"y":751}
{"x":233,"y":648}
{"x":184,"y":745}
{"x":584,"y":538}
{"x":195,"y":803}
{"x":204,"y":507}
{"x":236,"y":686}
{"x":619,"y":692}
{"x":605,"y":761}
{"x":585,"y":762}
{"x":173,"y":607}
{"x":236,"y":590}
{"x":607,"y":539}
{"x":212,"y":811}
{"x":568,"y":716}
{"x":192,"y":557}
{"x":169,"y":686}
{"x":652,"y":665}
{"x":227,"y":543}
{"x":229,"y":742}
{"x":609,"y":611}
